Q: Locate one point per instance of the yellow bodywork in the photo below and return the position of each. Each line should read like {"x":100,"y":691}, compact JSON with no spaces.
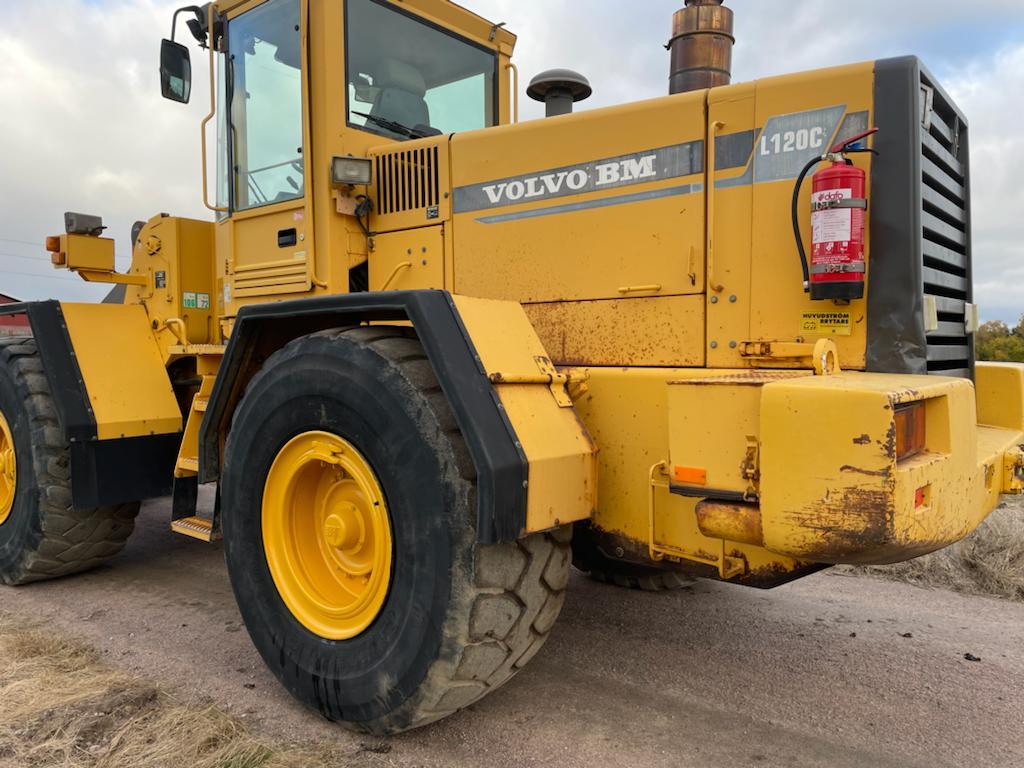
{"x":123,"y":370}
{"x":562,"y":485}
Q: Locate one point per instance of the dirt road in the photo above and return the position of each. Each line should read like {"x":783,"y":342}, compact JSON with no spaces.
{"x":829,"y":671}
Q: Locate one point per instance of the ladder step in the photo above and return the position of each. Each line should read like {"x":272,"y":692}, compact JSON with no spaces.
{"x":196,"y":527}
{"x":188,"y":465}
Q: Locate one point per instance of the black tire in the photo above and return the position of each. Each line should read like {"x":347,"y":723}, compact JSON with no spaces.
{"x":588,"y":555}
{"x":459,"y":619}
{"x":45,"y":536}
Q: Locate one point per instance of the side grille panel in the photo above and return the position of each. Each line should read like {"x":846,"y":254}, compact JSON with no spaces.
{"x":407,"y":180}
{"x":945,"y":229}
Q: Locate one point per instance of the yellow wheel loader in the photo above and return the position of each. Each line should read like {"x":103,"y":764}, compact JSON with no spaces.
{"x":430,"y":356}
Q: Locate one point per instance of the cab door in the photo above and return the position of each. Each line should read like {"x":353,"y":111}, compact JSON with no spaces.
{"x":269,"y":233}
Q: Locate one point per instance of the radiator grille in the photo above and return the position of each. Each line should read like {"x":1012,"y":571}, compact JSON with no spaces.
{"x":946,"y":230}
{"x":407,"y":180}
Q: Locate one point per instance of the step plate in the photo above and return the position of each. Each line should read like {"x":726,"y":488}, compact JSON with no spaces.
{"x":196,"y":527}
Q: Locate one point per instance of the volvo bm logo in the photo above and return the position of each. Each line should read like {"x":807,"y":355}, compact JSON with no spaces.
{"x":622,"y":171}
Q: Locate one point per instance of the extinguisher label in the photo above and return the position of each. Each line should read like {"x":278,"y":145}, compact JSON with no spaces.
{"x":832,"y":323}
{"x":831,"y":225}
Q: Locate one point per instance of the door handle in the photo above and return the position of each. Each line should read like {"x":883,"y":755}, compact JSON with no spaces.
{"x":713,"y":284}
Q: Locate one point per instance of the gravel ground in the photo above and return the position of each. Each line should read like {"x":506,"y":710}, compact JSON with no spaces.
{"x":832,"y":670}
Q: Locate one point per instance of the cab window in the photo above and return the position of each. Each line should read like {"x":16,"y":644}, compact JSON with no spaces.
{"x":265,"y":95}
{"x":408,"y":78}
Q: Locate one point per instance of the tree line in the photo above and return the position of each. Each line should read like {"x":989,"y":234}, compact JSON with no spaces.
{"x":997,"y":341}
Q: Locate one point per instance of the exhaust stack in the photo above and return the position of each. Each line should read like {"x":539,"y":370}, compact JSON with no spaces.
{"x":701,"y":46}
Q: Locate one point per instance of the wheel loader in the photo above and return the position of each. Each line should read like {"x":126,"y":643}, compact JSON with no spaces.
{"x":430,"y":356}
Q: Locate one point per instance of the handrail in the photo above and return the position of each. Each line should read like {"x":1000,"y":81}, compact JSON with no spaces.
{"x":202,"y":129}
{"x":515,"y":91}
{"x":713,"y":284}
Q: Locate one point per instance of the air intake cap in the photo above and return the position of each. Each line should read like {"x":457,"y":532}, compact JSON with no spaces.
{"x":559,"y":89}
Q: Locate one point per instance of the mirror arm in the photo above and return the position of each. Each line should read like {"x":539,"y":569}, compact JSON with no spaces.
{"x":199,"y":13}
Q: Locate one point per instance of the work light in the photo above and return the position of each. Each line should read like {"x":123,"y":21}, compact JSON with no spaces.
{"x":351,"y":170}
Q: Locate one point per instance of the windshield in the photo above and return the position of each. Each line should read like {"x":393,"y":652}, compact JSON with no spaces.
{"x":266,"y":105}
{"x":409,"y":78}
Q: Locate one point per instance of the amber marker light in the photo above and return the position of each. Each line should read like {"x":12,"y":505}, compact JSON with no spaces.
{"x":910,"y":430}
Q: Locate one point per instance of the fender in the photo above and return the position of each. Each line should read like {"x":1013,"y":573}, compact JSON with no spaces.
{"x":501,"y":464}
{"x":114,"y":401}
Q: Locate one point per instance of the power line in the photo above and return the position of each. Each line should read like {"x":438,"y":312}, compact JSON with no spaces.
{"x":37,"y":244}
{"x":37,"y":259}
{"x":41,"y":277}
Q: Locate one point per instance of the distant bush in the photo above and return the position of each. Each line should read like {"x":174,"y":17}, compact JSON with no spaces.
{"x":995,"y":340}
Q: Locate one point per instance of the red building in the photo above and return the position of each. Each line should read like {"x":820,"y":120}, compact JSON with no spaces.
{"x":11,"y":322}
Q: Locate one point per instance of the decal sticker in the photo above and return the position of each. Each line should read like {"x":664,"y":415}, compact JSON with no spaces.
{"x":827,"y":323}
{"x":790,"y":141}
{"x":608,"y":173}
{"x":161,"y":279}
{"x":193,"y":300}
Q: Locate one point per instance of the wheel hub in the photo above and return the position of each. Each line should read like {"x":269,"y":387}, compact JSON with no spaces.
{"x":327,"y":535}
{"x":8,"y":470}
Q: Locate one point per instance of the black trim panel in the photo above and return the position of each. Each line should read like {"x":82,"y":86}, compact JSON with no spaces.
{"x":896,"y":340}
{"x":108,"y":472}
{"x":695,"y":492}
{"x":67,"y":385}
{"x":502,"y":468}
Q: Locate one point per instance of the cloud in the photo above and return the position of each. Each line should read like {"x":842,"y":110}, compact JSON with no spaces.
{"x":987,"y":91}
{"x":84,"y":126}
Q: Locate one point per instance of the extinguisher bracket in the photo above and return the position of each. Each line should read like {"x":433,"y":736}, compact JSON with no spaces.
{"x":847,"y":203}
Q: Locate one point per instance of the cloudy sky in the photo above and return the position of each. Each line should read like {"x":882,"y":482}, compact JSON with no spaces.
{"x":83,"y":126}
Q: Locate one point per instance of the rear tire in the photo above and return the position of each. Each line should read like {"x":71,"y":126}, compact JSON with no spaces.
{"x":588,"y":555}
{"x":459,"y":619}
{"x":44,"y":536}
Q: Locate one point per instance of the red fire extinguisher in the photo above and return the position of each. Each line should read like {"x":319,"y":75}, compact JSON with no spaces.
{"x":838,"y":207}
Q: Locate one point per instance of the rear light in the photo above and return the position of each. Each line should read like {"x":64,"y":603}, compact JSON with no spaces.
{"x":910,"y":434}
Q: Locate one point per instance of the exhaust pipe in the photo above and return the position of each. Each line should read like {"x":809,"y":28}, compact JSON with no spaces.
{"x":701,"y":46}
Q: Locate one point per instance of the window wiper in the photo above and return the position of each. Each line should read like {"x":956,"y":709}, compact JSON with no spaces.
{"x":391,"y":125}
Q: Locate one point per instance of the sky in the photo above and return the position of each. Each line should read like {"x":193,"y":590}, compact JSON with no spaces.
{"x":83,"y":126}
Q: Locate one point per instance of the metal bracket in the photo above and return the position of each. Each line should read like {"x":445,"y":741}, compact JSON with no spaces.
{"x":556,"y":381}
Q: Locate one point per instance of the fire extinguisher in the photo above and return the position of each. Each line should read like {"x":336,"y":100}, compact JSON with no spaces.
{"x":838,"y":208}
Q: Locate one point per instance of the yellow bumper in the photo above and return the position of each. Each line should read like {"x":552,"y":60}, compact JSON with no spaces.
{"x":832,"y":490}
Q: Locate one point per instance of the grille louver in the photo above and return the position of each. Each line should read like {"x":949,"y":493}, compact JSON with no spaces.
{"x":407,"y":180}
{"x":946,"y":230}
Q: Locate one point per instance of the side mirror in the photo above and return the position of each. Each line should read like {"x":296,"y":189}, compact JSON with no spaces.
{"x":175,"y":72}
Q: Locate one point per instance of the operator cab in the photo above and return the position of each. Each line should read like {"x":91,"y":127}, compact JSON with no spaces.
{"x":409,"y":78}
{"x":302,"y":88}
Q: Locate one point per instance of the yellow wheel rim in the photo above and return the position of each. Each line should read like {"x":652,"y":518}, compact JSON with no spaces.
{"x":327,"y":535}
{"x":8,"y":470}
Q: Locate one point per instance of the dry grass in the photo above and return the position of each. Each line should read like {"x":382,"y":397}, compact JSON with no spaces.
{"x":61,"y":707}
{"x":988,"y":562}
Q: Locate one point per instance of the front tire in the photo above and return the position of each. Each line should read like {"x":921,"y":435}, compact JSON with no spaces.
{"x":459,"y":619}
{"x":42,"y":535}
